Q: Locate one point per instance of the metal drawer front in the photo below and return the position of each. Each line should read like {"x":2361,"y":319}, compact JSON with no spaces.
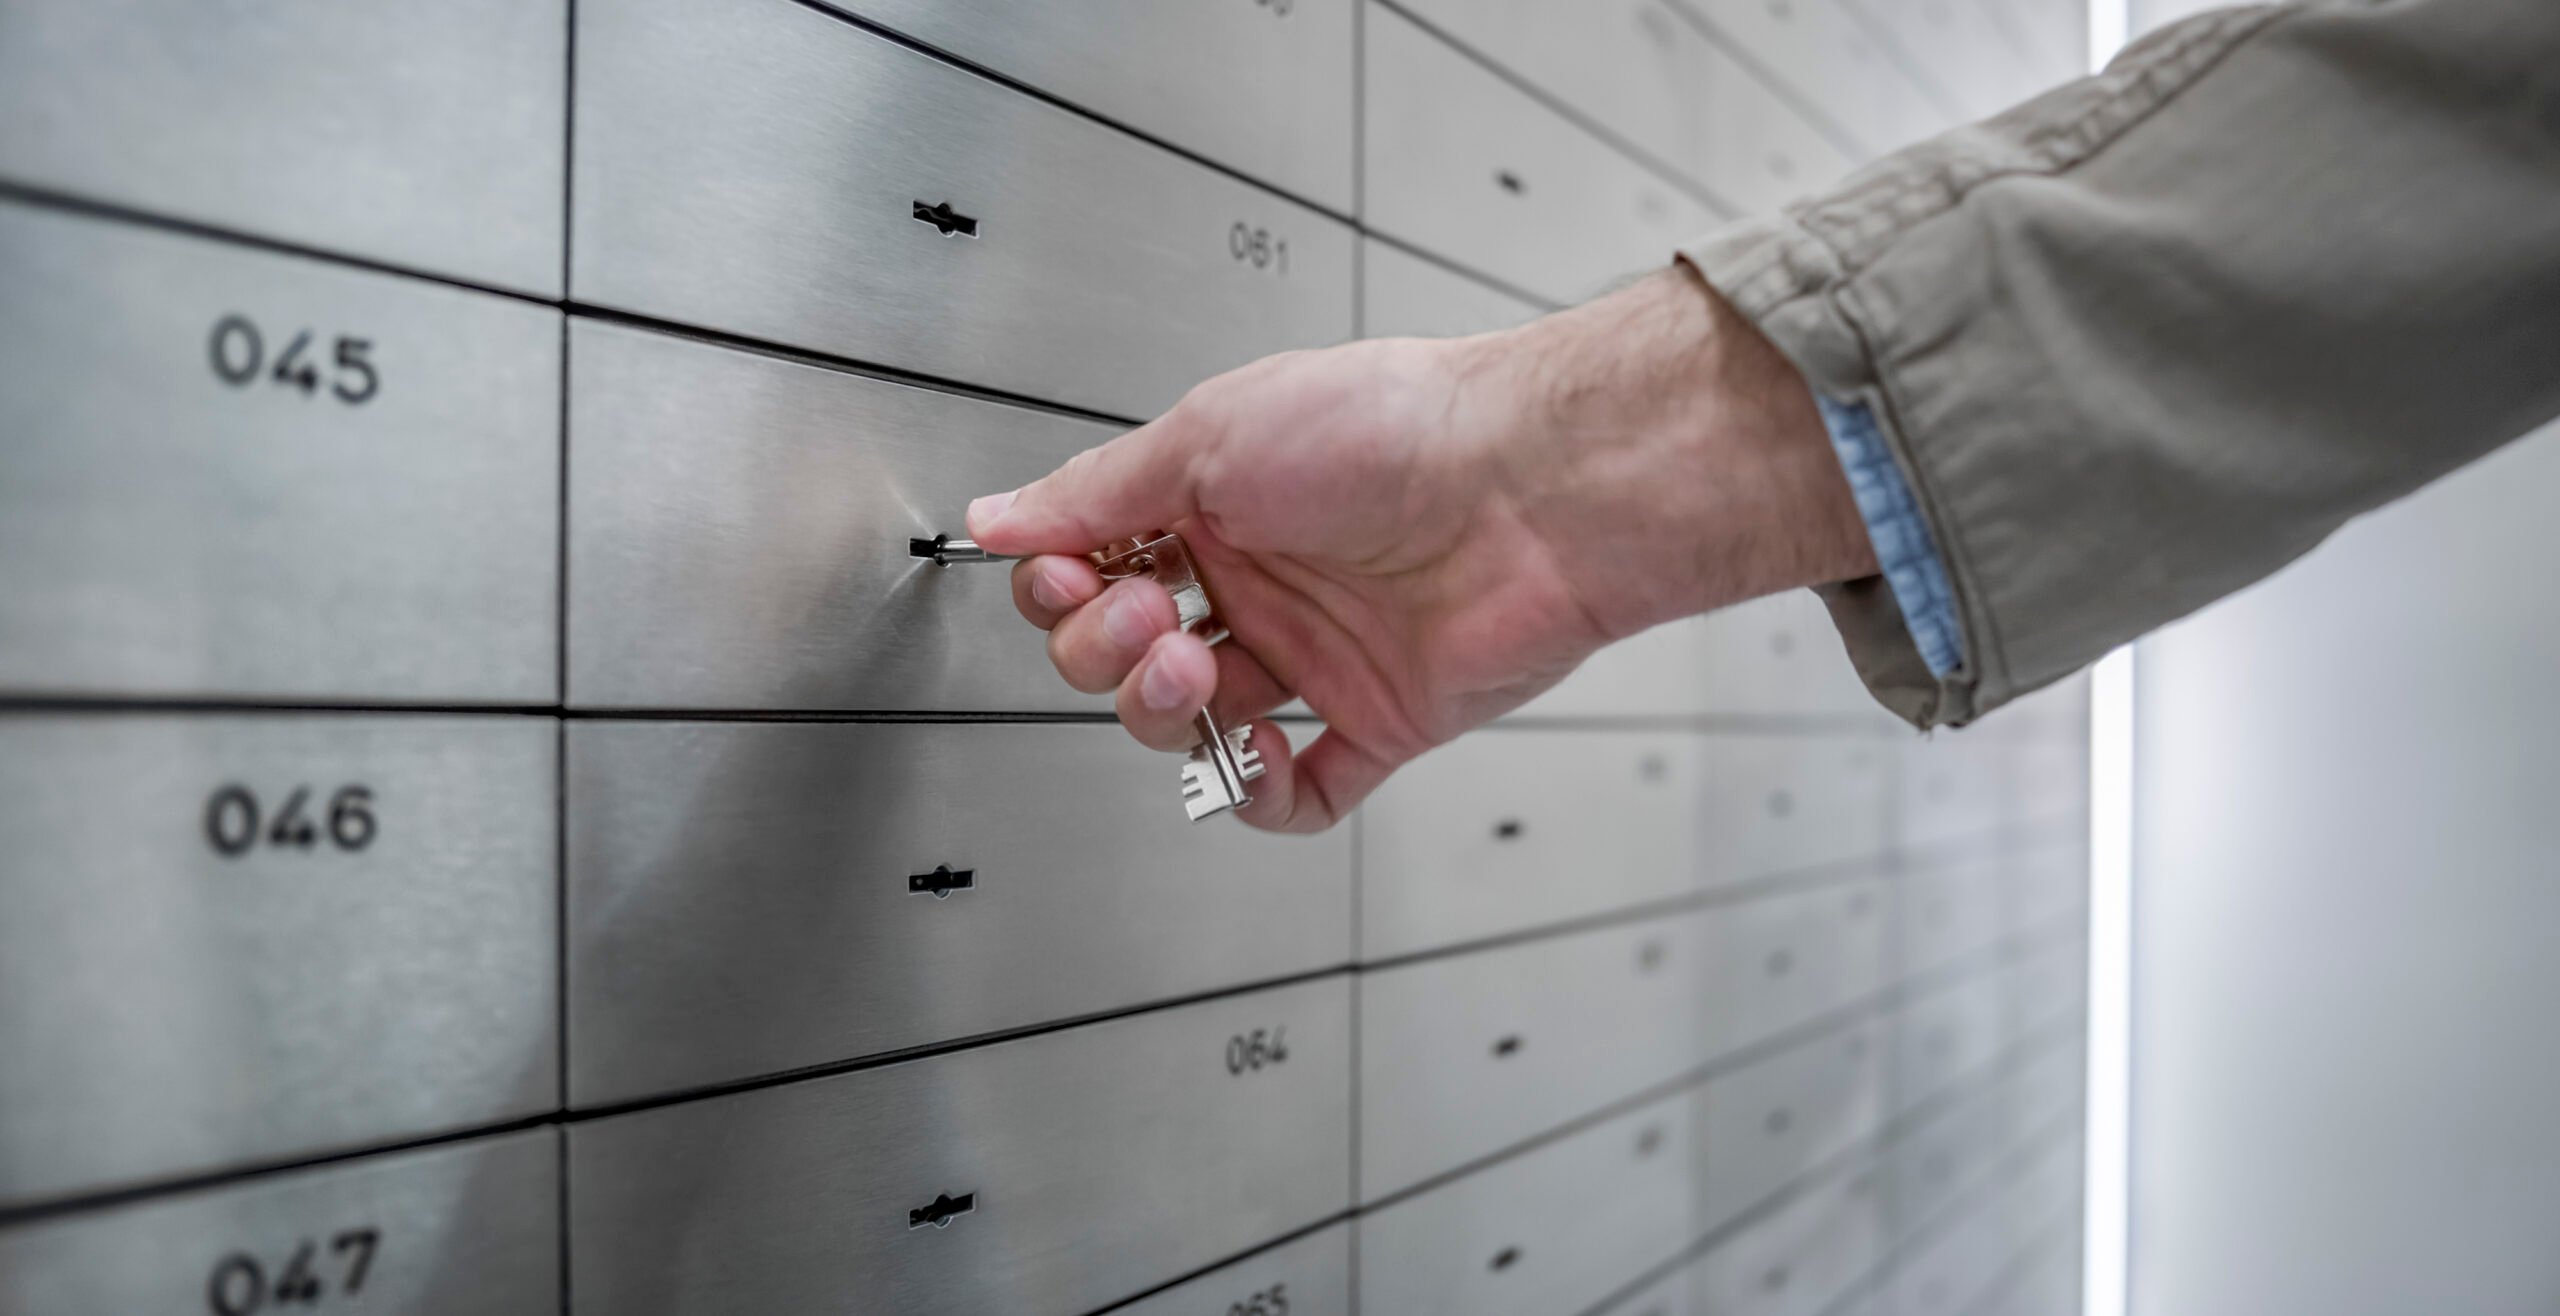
{"x":747,"y":898}
{"x":1655,"y":673}
{"x":2045,"y":1198}
{"x":1784,"y":960}
{"x":1938,"y":1164}
{"x":1051,"y":1174}
{"x":1801,"y":1257}
{"x":1788,"y":803}
{"x":229,"y":940}
{"x":772,"y":171}
{"x":2047,"y":989}
{"x":1762,"y":154}
{"x":1554,"y":1229}
{"x":1949,"y":912}
{"x":2049,"y":887}
{"x":1667,"y":1296}
{"x":1777,"y":656}
{"x":1462,"y":163}
{"x":1954,"y":788}
{"x":1265,"y":88}
{"x":1949,"y":1273}
{"x":1465,"y":1055}
{"x":179,"y":515}
{"x":419,"y":135}
{"x":738,"y":530}
{"x":1944,"y":1038}
{"x":1766,"y":1125}
{"x":1511,"y":829}
{"x":467,"y":1228}
{"x":1634,"y":67}
{"x":1404,"y":296}
{"x":1310,"y":1276}
{"x":1826,"y":56}
{"x":2051,"y":783}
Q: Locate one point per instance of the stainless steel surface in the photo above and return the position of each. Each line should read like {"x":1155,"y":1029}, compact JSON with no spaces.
{"x":1800,"y":1258}
{"x":2046,"y":988}
{"x":1667,"y":1296}
{"x":231,"y":940}
{"x":1405,"y":296}
{"x":1462,"y":1056}
{"x":1511,"y":829}
{"x":1262,"y":87}
{"x":1055,"y":1173}
{"x":1784,"y":960}
{"x":1772,"y":657}
{"x":388,"y":532}
{"x":1955,"y":789}
{"x":1949,"y":911}
{"x":1554,"y":1229}
{"x":473,"y":1227}
{"x":2048,"y":887}
{"x":738,"y":530}
{"x":1762,"y":154}
{"x":761,"y":168}
{"x":751,"y":898}
{"x":1950,"y":1272}
{"x":1459,"y":162}
{"x":1787,"y":804}
{"x":1828,"y":58}
{"x":1769,"y":1123}
{"x":1309,"y":1276}
{"x":421,"y":135}
{"x":1635,"y":67}
{"x":1949,"y":1155}
{"x":1945,"y":1037}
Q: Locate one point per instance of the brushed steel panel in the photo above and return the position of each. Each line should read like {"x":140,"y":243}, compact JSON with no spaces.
{"x":1828,"y":58}
{"x":420,"y":135}
{"x":2045,"y":1196}
{"x":1460,"y":162}
{"x":1791,"y":803}
{"x":1508,"y":829}
{"x":1634,"y":67}
{"x":473,"y":1227}
{"x":165,"y":532}
{"x":1949,"y":911}
{"x":1800,"y":1258}
{"x":1555,"y":1229}
{"x":1262,"y":87}
{"x":2046,"y":989}
{"x":741,"y":898}
{"x":1938,"y":1163}
{"x":1784,"y":960}
{"x":1404,"y":296}
{"x":1773,"y":1121}
{"x":1955,"y":786}
{"x":2050,"y":784}
{"x":1944,"y":1038}
{"x":738,"y":530}
{"x":1464,"y":1055}
{"x":1667,"y":1296}
{"x":1950,"y":1272}
{"x":1761,"y":153}
{"x":1096,"y":1161}
{"x":756,"y":168}
{"x":1310,"y":1276}
{"x":2048,"y":887}
{"x":169,"y":1008}
{"x":1777,"y":656}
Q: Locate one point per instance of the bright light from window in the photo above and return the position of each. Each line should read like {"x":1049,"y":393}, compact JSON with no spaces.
{"x":2107,"y":1217}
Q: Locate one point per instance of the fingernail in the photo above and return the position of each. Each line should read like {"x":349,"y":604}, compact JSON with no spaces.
{"x":1045,"y":592}
{"x":983,"y":512}
{"x":1161,"y":689}
{"x":1124,"y":620}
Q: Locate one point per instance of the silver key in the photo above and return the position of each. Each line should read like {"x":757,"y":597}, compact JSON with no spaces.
{"x":1216,"y":772}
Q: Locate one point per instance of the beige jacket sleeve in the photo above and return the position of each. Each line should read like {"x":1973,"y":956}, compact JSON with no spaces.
{"x":2149,"y":337}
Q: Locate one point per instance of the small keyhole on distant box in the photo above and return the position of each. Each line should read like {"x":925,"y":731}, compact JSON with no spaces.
{"x":1781,"y":962}
{"x":1652,"y":767}
{"x":1782,"y":643}
{"x":1507,"y":1046}
{"x":1782,"y":804}
{"x":1510,"y":182}
{"x":1780,"y":1121}
{"x":1649,"y":956}
{"x":1504,"y":1259}
{"x":1509,"y":829}
{"x":1776,"y":1280}
{"x":1649,"y":1141}
{"x":945,"y":220}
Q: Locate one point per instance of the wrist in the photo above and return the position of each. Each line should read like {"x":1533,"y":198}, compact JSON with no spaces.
{"x":1669,"y":456}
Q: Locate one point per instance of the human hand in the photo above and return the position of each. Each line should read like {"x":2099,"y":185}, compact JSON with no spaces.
{"x":1415,"y":535}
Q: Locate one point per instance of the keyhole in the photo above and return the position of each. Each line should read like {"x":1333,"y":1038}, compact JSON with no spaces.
{"x":1649,"y":1141}
{"x":1509,"y":829}
{"x":1782,"y":804}
{"x":1507,"y":1046}
{"x":1510,"y":182}
{"x":1504,"y":1259}
{"x":1783,"y":643}
{"x":1652,"y":767}
{"x":1780,"y":1122}
{"x":1781,"y":962}
{"x":1649,"y":956}
{"x":1776,"y":1280}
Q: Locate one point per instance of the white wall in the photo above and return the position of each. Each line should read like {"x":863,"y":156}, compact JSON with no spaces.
{"x":2347,"y":923}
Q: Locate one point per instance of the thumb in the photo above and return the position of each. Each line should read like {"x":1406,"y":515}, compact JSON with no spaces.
{"x":1138,"y":482}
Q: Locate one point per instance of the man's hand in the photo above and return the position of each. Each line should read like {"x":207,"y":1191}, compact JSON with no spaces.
{"x":1417,"y":535}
